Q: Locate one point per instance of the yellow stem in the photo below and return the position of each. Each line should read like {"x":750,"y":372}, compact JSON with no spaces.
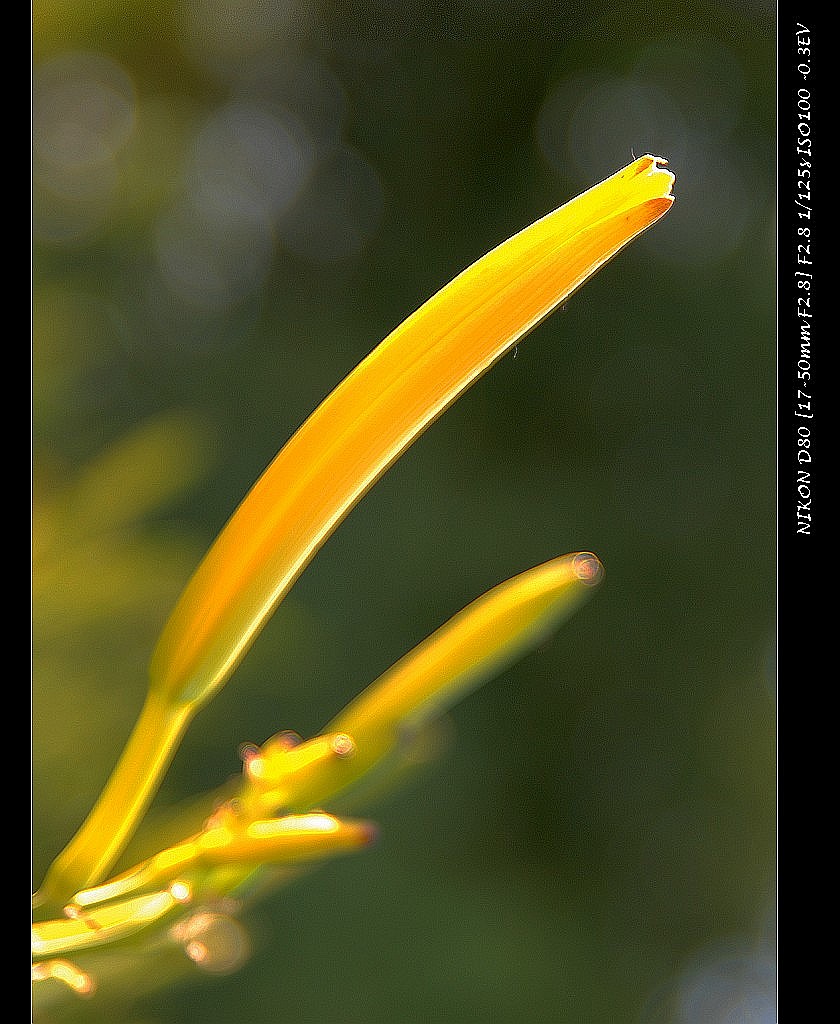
{"x":123,"y":801}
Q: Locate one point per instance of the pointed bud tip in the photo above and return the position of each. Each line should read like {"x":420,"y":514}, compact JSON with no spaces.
{"x":656,"y":165}
{"x":343,"y":745}
{"x":588,"y":568}
{"x":369,"y":833}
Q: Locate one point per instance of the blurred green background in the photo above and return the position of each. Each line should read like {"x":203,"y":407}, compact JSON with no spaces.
{"x":233,"y":203}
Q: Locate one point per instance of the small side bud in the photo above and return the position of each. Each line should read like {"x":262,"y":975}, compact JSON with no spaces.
{"x":67,"y":973}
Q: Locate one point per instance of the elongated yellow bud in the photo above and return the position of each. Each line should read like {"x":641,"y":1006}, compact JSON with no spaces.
{"x":330,"y":463}
{"x":292,"y":839}
{"x":66,"y":936}
{"x":282,"y":777}
{"x":476,"y":644}
{"x":369,"y":420}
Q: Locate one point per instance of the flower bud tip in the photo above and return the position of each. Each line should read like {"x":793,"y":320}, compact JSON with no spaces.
{"x":588,"y":568}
